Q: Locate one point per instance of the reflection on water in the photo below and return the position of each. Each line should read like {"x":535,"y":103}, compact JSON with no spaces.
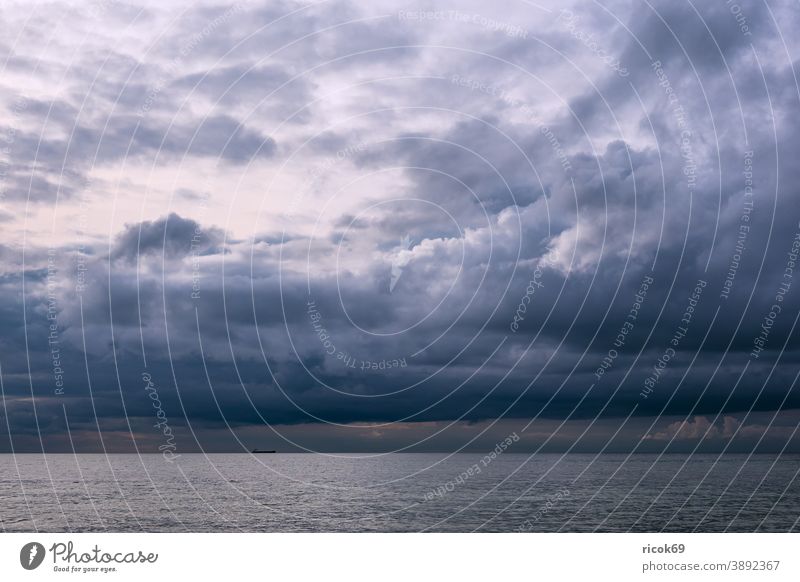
{"x":398,"y":492}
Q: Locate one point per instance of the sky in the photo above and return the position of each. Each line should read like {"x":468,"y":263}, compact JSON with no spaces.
{"x":387,"y":226}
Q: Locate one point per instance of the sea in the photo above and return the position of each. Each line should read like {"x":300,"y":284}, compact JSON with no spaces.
{"x":399,"y":493}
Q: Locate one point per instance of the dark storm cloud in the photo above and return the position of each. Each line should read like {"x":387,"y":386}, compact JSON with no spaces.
{"x":704,"y":34}
{"x":589,"y":203}
{"x":473,"y":162}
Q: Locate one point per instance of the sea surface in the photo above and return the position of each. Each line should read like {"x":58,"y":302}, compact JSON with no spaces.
{"x":399,"y":492}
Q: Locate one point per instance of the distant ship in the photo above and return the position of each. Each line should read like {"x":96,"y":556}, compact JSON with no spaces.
{"x":262,"y":451}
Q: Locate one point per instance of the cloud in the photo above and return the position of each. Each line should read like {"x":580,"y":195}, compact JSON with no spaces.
{"x":508,"y":164}
{"x":168,"y":237}
{"x":728,"y":427}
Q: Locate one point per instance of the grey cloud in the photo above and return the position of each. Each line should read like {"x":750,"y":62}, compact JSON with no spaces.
{"x":169,"y":237}
{"x":630,"y":215}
